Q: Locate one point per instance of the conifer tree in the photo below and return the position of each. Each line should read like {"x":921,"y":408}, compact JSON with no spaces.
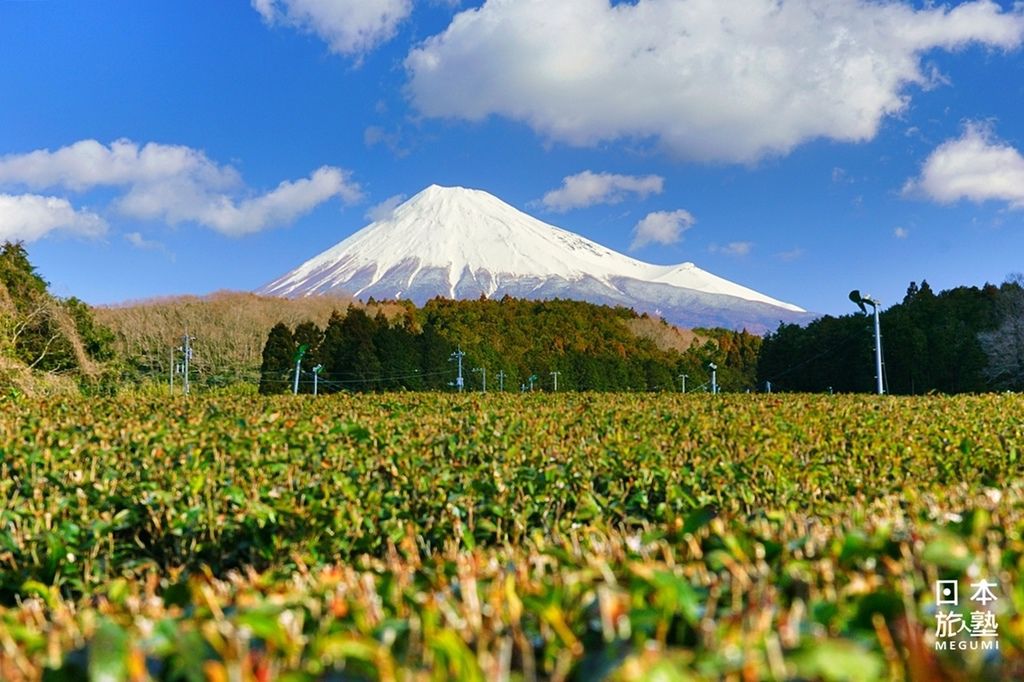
{"x":277,"y":360}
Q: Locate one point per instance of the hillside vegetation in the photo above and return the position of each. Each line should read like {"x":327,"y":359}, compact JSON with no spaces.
{"x":231,"y":331}
{"x":46,"y":344}
{"x":518,"y":344}
{"x":964,"y":339}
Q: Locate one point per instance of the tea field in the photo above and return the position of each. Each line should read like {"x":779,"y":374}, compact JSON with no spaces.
{"x":511,"y":537}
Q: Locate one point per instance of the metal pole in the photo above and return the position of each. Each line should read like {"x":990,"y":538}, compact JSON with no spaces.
{"x":555,"y":375}
{"x":459,"y":381}
{"x":501,"y":380}
{"x":298,"y":369}
{"x":878,"y":349}
{"x":315,"y":382}
{"x":187,"y":349}
{"x":682,"y":380}
{"x":860,"y":300}
{"x":172,"y":369}
{"x":483,"y":372}
{"x":714,"y":378}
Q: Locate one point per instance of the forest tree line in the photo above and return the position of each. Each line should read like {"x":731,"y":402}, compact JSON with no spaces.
{"x":965,"y":339}
{"x":591,"y":347}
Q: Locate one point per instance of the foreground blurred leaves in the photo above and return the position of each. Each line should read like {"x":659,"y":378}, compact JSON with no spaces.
{"x":505,"y":537}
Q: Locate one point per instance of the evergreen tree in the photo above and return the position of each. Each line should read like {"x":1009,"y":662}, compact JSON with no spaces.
{"x":277,"y":360}
{"x":350,"y":358}
{"x":399,"y":358}
{"x":435,"y":352}
{"x":930,"y":342}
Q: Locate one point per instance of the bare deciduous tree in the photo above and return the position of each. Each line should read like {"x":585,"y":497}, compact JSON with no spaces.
{"x":1004,"y":345}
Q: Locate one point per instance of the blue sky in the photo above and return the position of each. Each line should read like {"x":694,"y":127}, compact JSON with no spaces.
{"x":800,"y":147}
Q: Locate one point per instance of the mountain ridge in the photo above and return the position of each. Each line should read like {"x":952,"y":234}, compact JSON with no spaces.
{"x":463,"y":243}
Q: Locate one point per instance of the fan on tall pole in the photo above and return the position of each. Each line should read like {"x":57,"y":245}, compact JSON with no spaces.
{"x":860,"y":300}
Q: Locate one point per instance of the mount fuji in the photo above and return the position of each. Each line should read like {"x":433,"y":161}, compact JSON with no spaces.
{"x":463,"y":243}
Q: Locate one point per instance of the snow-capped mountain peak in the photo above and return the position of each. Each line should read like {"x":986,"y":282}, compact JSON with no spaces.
{"x":461,"y":243}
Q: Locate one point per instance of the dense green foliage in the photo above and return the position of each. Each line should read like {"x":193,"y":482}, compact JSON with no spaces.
{"x":277,"y":359}
{"x":40,"y":331}
{"x":590,"y":346}
{"x":582,"y":536}
{"x":931,"y":342}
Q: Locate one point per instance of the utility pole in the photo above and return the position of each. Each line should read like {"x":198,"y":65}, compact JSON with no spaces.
{"x":172,"y":369}
{"x":856,"y":297}
{"x":501,"y":380}
{"x":483,"y":371}
{"x":878,"y":349}
{"x":682,"y":380}
{"x":186,"y":351}
{"x":555,"y":375}
{"x":714,"y":378}
{"x":457,"y":356}
{"x":298,"y":366}
{"x":316,"y":378}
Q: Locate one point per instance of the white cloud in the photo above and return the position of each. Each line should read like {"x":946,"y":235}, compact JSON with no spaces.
{"x":974,"y":166}
{"x":385,"y":209}
{"x":28,"y":217}
{"x":589,"y":188}
{"x":87,"y":164}
{"x":736,"y":249}
{"x":708,"y":80}
{"x":175,"y":184}
{"x":661,"y":227}
{"x":900,"y":232}
{"x":174,"y":204}
{"x":349,"y":27}
{"x":138,"y":241}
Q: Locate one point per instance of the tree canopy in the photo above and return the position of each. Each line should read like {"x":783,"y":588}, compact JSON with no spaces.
{"x":965,"y":339}
{"x":591,"y":347}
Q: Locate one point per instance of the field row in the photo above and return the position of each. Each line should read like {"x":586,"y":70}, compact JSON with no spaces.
{"x":506,"y":537}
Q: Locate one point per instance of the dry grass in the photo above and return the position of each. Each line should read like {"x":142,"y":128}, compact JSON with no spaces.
{"x":231,"y":328}
{"x":665,"y":336}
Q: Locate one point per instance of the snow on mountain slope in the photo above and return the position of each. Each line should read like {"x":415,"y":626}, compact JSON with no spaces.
{"x":461,"y":243}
